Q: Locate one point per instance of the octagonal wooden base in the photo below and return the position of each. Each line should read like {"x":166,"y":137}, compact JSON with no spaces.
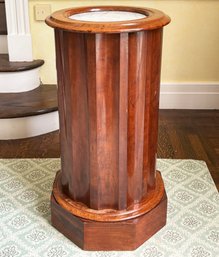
{"x":108,"y":236}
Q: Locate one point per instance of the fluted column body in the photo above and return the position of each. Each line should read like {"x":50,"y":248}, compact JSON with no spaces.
{"x":109,"y":89}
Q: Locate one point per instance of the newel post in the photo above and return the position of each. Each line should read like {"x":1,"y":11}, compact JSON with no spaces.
{"x":19,"y":37}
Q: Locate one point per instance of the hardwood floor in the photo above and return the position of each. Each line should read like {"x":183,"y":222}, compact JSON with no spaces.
{"x":190,"y":134}
{"x":45,"y":146}
{"x":183,"y":134}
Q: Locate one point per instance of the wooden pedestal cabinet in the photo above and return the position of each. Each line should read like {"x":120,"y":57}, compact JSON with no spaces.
{"x":108,"y":194}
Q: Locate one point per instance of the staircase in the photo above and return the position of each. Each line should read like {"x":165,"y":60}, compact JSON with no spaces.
{"x":18,"y":77}
{"x":27,"y":107}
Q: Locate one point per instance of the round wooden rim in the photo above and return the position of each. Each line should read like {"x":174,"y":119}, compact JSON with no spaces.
{"x":81,"y":210}
{"x":154,"y":19}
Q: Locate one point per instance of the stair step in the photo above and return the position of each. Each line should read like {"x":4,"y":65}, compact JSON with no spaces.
{"x":7,"y":66}
{"x":41,"y":100}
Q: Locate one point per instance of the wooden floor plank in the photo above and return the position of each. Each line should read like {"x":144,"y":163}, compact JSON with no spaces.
{"x":44,"y":146}
{"x":192,"y":134}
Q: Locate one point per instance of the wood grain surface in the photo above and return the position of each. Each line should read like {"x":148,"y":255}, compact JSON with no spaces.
{"x":107,"y":236}
{"x":108,"y":105}
{"x":108,"y":97}
{"x":7,"y":66}
{"x":41,"y":100}
{"x":154,"y":19}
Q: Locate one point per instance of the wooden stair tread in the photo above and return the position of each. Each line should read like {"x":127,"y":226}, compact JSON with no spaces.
{"x":38,"y":101}
{"x":7,"y":66}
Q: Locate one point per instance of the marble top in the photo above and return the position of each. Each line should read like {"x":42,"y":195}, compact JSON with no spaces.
{"x":107,"y":16}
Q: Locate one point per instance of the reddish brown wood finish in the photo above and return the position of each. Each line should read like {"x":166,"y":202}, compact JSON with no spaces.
{"x":108,"y":88}
{"x":107,"y":236}
{"x":110,"y":137}
{"x":154,"y":19}
{"x":152,"y":199}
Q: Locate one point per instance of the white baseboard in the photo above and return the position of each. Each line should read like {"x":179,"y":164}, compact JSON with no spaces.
{"x":189,"y":96}
{"x":19,"y":81}
{"x":30,"y":126}
{"x":3,"y":44}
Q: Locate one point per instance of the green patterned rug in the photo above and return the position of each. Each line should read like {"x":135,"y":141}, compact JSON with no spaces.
{"x":25,"y":185}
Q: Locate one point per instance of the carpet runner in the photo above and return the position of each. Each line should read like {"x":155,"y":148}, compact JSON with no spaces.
{"x":25,"y":230}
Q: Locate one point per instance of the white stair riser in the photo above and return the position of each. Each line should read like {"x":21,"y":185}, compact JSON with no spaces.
{"x":19,"y":81}
{"x":16,"y":128}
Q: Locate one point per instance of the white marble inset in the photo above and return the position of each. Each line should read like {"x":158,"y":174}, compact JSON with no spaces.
{"x":107,"y":16}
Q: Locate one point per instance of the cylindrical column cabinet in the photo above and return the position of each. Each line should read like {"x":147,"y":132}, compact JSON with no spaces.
{"x":108,"y":194}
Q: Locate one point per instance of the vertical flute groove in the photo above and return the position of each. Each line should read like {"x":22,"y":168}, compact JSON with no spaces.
{"x":92,"y":102}
{"x":61,"y":103}
{"x":136,"y":115}
{"x":107,"y":83}
{"x":123,"y":121}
